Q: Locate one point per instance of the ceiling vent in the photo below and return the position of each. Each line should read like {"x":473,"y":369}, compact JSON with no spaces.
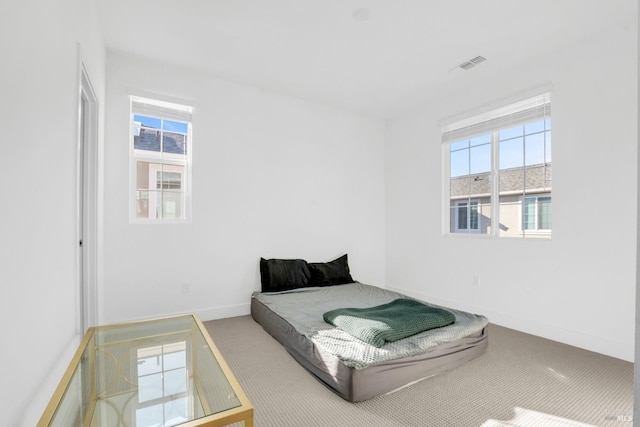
{"x":472,"y":62}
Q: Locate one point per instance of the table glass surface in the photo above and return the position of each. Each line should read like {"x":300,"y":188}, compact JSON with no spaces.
{"x":151,"y":373}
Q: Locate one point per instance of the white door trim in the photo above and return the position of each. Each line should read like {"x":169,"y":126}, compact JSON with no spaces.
{"x":87,"y":200}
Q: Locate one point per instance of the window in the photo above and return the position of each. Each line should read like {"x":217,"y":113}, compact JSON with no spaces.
{"x":467,"y":215}
{"x":537,"y":213}
{"x":498,"y":179}
{"x":161,"y":159}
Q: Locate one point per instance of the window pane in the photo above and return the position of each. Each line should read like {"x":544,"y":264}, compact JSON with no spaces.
{"x":511,"y":153}
{"x":462,"y":216}
{"x":529,"y":214}
{"x":479,"y":140}
{"x":172,"y":126}
{"x":534,"y":127}
{"x":513,"y":132}
{"x":459,"y":163}
{"x":168,"y":180}
{"x":473,"y":216}
{"x":460,"y":186}
{"x":142,"y":203}
{"x":459,"y":145}
{"x":172,"y":203}
{"x":160,"y":191}
{"x":149,"y":122}
{"x":480,"y":159}
{"x":547,"y":147}
{"x":174,"y":143}
{"x":510,"y":208}
{"x":525,"y":167}
{"x":470,"y":169}
{"x":534,"y":149}
{"x":155,"y":206}
{"x":147,"y":139}
{"x":544,"y":213}
{"x":142,"y":176}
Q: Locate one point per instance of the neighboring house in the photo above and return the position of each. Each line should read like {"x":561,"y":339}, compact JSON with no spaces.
{"x":160,"y":188}
{"x":522,"y":211}
{"x":148,"y":139}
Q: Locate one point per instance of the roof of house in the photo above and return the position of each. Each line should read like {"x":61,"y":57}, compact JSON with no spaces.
{"x":537,"y":178}
{"x":149,"y":140}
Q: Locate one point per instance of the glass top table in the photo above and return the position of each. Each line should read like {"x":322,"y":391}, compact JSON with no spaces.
{"x":160,"y":372}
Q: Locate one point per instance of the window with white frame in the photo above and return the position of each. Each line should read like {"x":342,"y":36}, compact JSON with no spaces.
{"x":467,"y":215}
{"x":537,"y":213}
{"x":160,"y":144}
{"x":498,"y":171}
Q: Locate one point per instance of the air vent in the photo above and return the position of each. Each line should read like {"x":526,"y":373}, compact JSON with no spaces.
{"x":472,"y":62}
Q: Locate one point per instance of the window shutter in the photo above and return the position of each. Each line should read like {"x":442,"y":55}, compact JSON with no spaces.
{"x":160,"y":109}
{"x":526,"y":111}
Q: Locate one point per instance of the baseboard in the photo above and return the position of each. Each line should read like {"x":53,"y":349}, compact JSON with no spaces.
{"x":597,"y":344}
{"x":224,"y":312}
{"x":210,"y":313}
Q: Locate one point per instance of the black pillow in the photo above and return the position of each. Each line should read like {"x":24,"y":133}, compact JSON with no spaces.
{"x":283,"y":274}
{"x":331,"y":273}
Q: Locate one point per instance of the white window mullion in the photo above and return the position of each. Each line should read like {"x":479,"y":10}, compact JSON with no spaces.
{"x":495,"y":184}
{"x":468,"y":215}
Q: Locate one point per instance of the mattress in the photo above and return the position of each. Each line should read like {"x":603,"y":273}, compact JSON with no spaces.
{"x":351,"y":368}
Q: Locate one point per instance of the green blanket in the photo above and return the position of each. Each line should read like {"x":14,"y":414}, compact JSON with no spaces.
{"x":398,"y":319}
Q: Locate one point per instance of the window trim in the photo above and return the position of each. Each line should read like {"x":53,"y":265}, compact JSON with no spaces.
{"x":165,"y":107}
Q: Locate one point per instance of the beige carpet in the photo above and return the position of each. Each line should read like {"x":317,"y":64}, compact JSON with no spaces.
{"x":521,"y":380}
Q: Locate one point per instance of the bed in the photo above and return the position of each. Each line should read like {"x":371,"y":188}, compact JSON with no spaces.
{"x":291,"y":306}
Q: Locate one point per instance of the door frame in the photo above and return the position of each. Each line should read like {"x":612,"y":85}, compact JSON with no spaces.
{"x":87,"y":199}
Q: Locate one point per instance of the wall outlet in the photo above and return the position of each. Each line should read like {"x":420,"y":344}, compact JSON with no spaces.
{"x":185,"y":288}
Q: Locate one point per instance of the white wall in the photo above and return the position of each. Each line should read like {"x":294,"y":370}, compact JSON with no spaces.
{"x":273,"y":176}
{"x":279,"y":177}
{"x":579,"y":287}
{"x":39,"y":303}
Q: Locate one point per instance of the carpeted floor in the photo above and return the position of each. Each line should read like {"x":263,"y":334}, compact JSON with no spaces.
{"x":521,"y":380}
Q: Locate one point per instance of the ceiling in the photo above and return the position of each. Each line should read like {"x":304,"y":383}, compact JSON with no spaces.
{"x":375,"y":57}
